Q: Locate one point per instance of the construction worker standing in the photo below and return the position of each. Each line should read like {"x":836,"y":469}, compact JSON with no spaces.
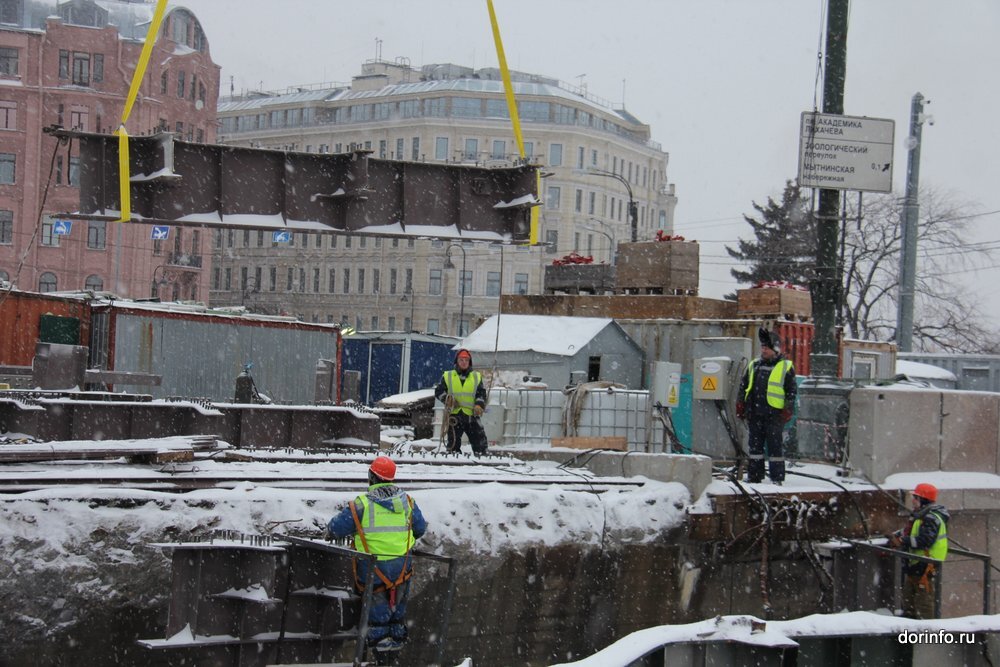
{"x":464,"y":396}
{"x":386,"y":522}
{"x":766,"y":401}
{"x":927,"y":536}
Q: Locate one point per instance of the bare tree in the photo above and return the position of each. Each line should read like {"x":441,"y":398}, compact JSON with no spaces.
{"x":946,"y":318}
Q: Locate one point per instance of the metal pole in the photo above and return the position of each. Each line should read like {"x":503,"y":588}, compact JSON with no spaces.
{"x":461,"y":307}
{"x":908,"y":252}
{"x":825,"y":289}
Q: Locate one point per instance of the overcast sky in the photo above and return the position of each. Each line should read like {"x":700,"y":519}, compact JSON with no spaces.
{"x":721,"y":82}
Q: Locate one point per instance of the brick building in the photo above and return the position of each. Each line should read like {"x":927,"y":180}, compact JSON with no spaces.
{"x":74,"y":71}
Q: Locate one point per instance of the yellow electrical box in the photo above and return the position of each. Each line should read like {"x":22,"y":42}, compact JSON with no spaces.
{"x":711,"y":378}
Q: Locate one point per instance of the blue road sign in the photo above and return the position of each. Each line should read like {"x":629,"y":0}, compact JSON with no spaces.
{"x":62,"y":227}
{"x":160,"y":233}
{"x":282,"y":237}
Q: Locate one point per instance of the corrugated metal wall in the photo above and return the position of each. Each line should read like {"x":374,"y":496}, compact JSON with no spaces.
{"x":975,"y":372}
{"x":202,"y":357}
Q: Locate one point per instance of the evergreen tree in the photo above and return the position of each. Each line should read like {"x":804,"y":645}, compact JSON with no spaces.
{"x":784,"y":244}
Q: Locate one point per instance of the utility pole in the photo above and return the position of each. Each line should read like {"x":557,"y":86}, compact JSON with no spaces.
{"x":826,"y":287}
{"x":911,"y":209}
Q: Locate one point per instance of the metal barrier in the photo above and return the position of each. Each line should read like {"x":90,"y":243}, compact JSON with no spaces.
{"x":899,"y":556}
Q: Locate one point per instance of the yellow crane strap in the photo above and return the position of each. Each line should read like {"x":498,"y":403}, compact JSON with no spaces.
{"x":512,"y":109}
{"x":140,"y":71}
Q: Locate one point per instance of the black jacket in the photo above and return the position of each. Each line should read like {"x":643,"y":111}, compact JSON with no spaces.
{"x":756,"y":402}
{"x":441,"y":391}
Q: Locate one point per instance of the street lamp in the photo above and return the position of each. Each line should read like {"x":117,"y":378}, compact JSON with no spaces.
{"x":633,"y":210}
{"x":461,"y":281}
{"x":154,"y":291}
{"x":610,"y":237}
{"x":408,"y":296}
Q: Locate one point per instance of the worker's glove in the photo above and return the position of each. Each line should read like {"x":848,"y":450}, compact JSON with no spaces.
{"x":478,"y":410}
{"x":741,"y":410}
{"x":896,"y":539}
{"x":786,"y":415}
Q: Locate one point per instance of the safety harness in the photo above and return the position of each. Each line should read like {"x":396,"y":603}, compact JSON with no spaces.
{"x":387,"y":584}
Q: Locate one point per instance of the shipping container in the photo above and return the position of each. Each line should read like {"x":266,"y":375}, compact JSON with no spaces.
{"x":200,"y":353}
{"x":27,"y":318}
{"x":396,"y":362}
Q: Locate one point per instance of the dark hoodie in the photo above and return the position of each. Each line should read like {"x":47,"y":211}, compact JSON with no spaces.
{"x":931,"y":515}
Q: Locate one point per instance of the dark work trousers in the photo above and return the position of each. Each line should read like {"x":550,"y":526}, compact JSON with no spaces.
{"x":460,"y":423}
{"x":765,"y":437}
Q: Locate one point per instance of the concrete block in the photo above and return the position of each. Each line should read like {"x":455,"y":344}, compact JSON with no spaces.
{"x":972,"y":527}
{"x":962,"y":599}
{"x":969,"y":431}
{"x":981,"y":499}
{"x":894,"y":430}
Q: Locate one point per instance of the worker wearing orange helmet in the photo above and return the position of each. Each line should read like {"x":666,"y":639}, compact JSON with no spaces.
{"x":386,"y":522}
{"x":927,"y":537}
{"x":464,"y":395}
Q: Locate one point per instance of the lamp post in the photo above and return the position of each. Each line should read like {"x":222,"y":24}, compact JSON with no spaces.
{"x":633,"y":210}
{"x":610,"y":237}
{"x":461,"y":282}
{"x":408,"y":296}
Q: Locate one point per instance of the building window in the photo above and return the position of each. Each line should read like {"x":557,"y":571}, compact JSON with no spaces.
{"x":47,"y":282}
{"x":393,"y":279}
{"x":471,"y":149}
{"x":392,"y":323}
{"x":98,"y":67}
{"x":78,"y":119}
{"x":465,"y":284}
{"x":408,"y":282}
{"x":94,"y":283}
{"x":96,"y":234}
{"x":332,"y":280}
{"x":441,"y":148}
{"x":8,"y":162}
{"x":216,"y":278}
{"x":555,"y":155}
{"x":415,"y":155}
{"x":48,"y":238}
{"x":63,"y":64}
{"x":593,"y":157}
{"x":552,"y":198}
{"x":580,"y":157}
{"x":289,"y":279}
{"x":8,"y":61}
{"x":493,"y":283}
{"x":361,"y":281}
{"x":374,"y":323}
{"x":228,"y":284}
{"x":592,"y":204}
{"x":302,"y":280}
{"x":6,"y":227}
{"x":316,"y":281}
{"x":434,"y":283}
{"x":520,"y":283}
{"x":346,"y":287}
{"x":578,"y":202}
{"x":74,"y":171}
{"x":383,"y":147}
{"x":399,"y":149}
{"x":164,"y":82}
{"x":272,"y":279}
{"x":433,"y":325}
{"x":499,"y":149}
{"x":8,"y":115}
{"x":552,"y":241}
{"x":180,"y":84}
{"x":529,"y":149}
{"x":376,"y":279}
{"x":59,"y":170}
{"x":81,"y":68}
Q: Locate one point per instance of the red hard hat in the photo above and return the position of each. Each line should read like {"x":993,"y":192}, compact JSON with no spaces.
{"x":926,"y":491}
{"x":463,"y":353}
{"x":384,"y":467}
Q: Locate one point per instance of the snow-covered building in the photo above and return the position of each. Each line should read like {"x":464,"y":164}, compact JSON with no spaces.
{"x":558,"y":350}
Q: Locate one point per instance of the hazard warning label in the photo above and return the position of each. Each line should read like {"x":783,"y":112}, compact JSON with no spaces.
{"x":709,"y":383}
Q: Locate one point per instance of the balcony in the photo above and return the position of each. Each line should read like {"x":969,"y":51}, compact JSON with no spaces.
{"x":183,"y":260}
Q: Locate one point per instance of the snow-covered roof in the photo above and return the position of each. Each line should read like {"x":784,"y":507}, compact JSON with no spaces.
{"x":913,"y":369}
{"x":564,"y":336}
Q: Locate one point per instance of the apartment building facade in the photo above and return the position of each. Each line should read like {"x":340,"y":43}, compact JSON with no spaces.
{"x":445,"y":113}
{"x":70,"y":65}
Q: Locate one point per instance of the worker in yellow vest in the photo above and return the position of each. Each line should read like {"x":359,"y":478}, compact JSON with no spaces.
{"x":464,"y":396}
{"x":766,"y":401}
{"x":386,"y":522}
{"x":927,"y":536}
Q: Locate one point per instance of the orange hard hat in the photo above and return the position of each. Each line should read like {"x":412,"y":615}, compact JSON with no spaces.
{"x":926,"y":491}
{"x":384,"y":468}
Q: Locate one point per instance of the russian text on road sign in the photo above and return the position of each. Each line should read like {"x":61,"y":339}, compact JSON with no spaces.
{"x":282,"y":237}
{"x":62,"y":227}
{"x":708,"y":384}
{"x":160,"y":233}
{"x":845,"y":152}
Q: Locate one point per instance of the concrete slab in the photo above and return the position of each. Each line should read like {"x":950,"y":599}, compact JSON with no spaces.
{"x":981,"y":499}
{"x":894,"y":430}
{"x":969,"y":431}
